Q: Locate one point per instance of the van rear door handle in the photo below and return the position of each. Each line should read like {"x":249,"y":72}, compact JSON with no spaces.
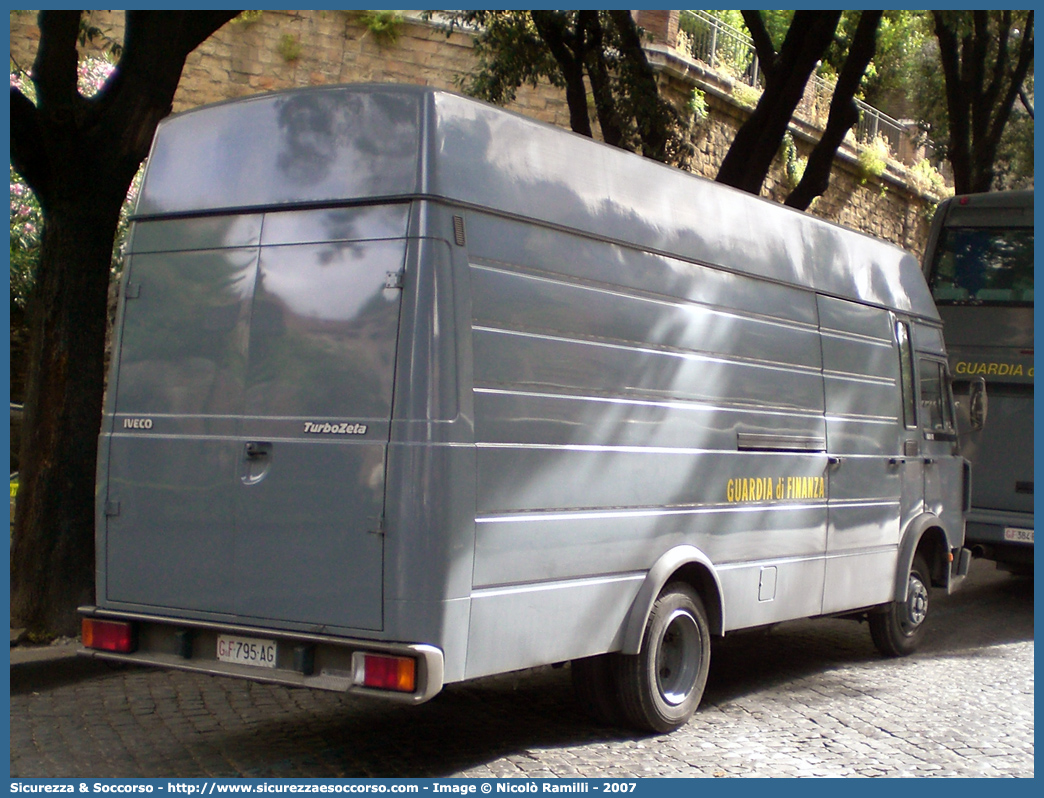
{"x":255,"y":450}
{"x":258,"y":461}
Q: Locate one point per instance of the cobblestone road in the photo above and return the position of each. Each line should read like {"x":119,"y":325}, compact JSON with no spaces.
{"x":806,"y":699}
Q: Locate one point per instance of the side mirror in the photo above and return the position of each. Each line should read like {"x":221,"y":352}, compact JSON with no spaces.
{"x":978,"y":403}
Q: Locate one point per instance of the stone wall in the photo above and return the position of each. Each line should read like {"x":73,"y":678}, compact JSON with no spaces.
{"x":272,"y":50}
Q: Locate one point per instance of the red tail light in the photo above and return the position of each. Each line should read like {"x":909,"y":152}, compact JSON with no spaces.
{"x":387,"y":673}
{"x":109,"y":635}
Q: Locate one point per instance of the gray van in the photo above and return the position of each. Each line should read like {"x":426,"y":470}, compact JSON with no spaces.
{"x":409,"y":390}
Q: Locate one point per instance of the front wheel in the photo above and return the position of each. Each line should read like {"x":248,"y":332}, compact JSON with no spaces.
{"x":661,"y":686}
{"x":899,"y":629}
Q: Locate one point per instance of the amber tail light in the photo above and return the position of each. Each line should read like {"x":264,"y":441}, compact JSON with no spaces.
{"x":383,"y":672}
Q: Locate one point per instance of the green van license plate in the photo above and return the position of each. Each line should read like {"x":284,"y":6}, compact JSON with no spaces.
{"x":1018,"y":535}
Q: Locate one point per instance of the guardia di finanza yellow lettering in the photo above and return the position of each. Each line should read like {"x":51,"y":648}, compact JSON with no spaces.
{"x":762,"y":489}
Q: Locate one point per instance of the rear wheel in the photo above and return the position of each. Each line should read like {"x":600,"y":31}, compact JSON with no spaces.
{"x":660,"y":687}
{"x":899,"y":629}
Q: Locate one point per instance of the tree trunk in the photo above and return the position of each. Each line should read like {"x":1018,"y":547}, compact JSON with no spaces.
{"x":957,"y":103}
{"x":979,"y":96}
{"x":79,"y":156}
{"x":653,"y":122}
{"x":601,"y":82}
{"x":52,"y":557}
{"x":843,"y":113}
{"x":756,"y":143}
{"x":568,"y":50}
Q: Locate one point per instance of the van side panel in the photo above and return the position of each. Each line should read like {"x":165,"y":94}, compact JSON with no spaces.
{"x":861,"y":373}
{"x":622,"y":404}
{"x":430,"y":505}
{"x":486,"y":158}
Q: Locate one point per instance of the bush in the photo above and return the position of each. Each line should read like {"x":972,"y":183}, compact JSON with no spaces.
{"x":873,"y":159}
{"x":928,"y":180}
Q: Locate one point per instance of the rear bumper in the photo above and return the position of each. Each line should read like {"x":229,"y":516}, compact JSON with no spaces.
{"x":1000,"y":536}
{"x":322,"y":662}
{"x":988,"y":526}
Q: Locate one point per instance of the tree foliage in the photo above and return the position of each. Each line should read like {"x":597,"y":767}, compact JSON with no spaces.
{"x":896,"y":71}
{"x":898,"y":64}
{"x":79,"y":155}
{"x":574,"y":50}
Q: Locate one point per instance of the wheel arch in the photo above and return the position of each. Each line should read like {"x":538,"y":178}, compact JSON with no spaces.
{"x":682,"y":563}
{"x":925,"y":534}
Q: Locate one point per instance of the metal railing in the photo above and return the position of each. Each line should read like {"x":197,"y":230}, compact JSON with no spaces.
{"x":721,"y":47}
{"x":730,"y":51}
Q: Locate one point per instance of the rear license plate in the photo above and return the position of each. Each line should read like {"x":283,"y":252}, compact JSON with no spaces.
{"x":246,"y":651}
{"x":1018,"y":535}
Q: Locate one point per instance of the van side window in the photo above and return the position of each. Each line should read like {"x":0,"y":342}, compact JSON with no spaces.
{"x":935,"y":397}
{"x":902,"y":336}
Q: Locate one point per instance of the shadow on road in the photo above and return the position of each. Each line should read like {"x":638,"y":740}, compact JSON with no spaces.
{"x":991,"y":608}
{"x":462,"y":728}
{"x":505,"y":717}
{"x":30,"y":677}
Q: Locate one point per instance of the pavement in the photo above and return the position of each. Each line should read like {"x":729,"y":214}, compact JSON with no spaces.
{"x":807,"y":698}
{"x":23,"y":652}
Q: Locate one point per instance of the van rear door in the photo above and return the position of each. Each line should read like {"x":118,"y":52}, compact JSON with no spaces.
{"x":251,"y":416}
{"x":316,"y":417}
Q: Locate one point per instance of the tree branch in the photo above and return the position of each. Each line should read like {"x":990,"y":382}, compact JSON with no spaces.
{"x":987,"y":151}
{"x":570,"y":57}
{"x":843,"y":112}
{"x":54,"y":70}
{"x":757,"y":141}
{"x":762,"y":42}
{"x":601,"y":84}
{"x":958,"y":100}
{"x":992,"y":90}
{"x":28,"y":155}
{"x":1026,"y":101}
{"x":653,"y":118}
{"x":146,"y":78}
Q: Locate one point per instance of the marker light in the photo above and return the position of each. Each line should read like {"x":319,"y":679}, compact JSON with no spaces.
{"x":108,"y":635}
{"x":387,"y":673}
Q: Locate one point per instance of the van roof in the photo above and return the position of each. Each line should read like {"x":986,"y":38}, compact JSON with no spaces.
{"x":336,"y":145}
{"x":992,"y":209}
{"x":995,"y":199}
